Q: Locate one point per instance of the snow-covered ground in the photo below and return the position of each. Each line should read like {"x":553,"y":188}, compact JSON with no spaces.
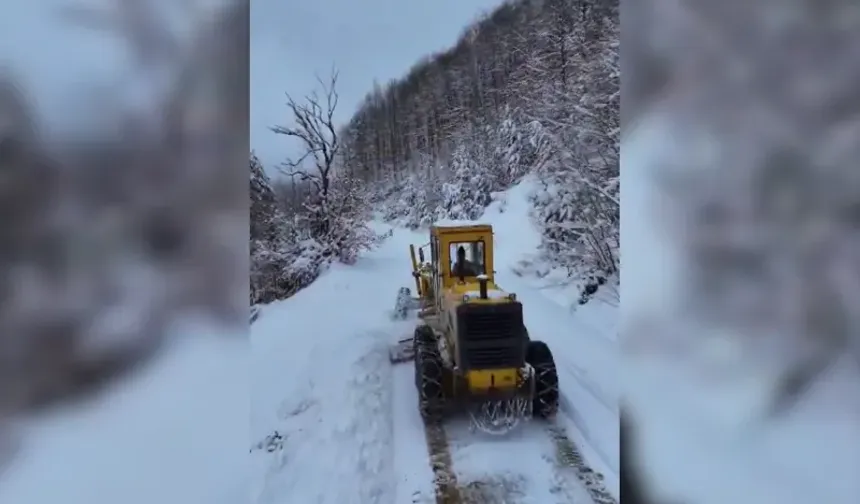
{"x":175,"y":432}
{"x":334,"y":422}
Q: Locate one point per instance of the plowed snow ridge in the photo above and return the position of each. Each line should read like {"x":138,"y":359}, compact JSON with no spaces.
{"x":349,"y":427}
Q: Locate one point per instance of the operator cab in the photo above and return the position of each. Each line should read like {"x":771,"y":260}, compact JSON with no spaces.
{"x":461,"y":254}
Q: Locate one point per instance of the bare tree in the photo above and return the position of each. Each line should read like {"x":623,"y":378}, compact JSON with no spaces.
{"x":315,"y":128}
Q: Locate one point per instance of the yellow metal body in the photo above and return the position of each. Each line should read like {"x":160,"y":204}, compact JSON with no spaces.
{"x":441,"y":294}
{"x":418,"y":290}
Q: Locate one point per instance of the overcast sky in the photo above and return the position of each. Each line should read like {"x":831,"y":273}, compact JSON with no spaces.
{"x":292,"y":40}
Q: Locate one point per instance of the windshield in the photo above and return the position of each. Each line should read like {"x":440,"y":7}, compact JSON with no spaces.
{"x":467,"y":259}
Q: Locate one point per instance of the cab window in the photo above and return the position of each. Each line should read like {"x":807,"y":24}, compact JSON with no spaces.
{"x":473,"y":263}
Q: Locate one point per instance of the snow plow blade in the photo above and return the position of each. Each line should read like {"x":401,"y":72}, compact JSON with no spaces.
{"x":405,"y":304}
{"x":403,"y":351}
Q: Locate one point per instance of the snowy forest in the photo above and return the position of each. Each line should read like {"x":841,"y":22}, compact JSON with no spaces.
{"x":530,"y":89}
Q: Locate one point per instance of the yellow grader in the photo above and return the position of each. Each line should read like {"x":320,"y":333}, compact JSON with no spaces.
{"x":471,"y":349}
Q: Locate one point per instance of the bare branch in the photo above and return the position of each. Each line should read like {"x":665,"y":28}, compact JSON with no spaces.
{"x":314,"y":127}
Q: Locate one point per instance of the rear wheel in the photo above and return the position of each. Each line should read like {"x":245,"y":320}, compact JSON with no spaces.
{"x":545,"y":401}
{"x":429,"y":370}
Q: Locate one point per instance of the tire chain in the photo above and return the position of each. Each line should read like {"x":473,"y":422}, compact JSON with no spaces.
{"x":424,"y":353}
{"x":540,"y":373}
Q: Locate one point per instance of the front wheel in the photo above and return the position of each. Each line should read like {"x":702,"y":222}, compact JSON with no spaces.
{"x":429,"y":374}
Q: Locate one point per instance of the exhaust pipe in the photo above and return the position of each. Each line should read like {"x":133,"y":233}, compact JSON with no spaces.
{"x":482,"y":286}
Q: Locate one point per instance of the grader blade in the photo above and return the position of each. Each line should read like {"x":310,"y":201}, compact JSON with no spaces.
{"x":405,"y":304}
{"x":403,"y":351}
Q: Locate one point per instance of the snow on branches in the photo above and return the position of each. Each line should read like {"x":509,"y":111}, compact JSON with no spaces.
{"x":533,"y":89}
{"x":321,"y":217}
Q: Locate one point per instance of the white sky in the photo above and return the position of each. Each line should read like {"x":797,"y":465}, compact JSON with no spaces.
{"x":366,"y":40}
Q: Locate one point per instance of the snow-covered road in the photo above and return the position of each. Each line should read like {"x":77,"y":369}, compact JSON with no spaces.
{"x":347,"y":422}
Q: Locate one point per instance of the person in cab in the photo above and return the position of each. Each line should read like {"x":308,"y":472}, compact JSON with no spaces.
{"x":464,"y":267}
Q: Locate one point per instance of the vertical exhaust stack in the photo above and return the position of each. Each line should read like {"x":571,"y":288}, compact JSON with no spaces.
{"x":482,"y":285}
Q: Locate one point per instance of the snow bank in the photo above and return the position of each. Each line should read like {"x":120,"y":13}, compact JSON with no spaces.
{"x":322,"y":380}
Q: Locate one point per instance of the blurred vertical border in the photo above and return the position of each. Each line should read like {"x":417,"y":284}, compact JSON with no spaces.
{"x":740,"y":146}
{"x":124,"y":232}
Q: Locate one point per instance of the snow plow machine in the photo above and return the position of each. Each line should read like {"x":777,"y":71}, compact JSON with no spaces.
{"x":471,"y":350}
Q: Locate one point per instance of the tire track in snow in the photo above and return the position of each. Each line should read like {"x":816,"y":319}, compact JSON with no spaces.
{"x":445,"y":484}
{"x":568,"y":458}
{"x":431,"y":475}
{"x":570,"y":415}
{"x":535,"y":464}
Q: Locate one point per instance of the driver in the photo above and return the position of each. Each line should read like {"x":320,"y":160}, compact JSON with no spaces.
{"x":464,"y":267}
